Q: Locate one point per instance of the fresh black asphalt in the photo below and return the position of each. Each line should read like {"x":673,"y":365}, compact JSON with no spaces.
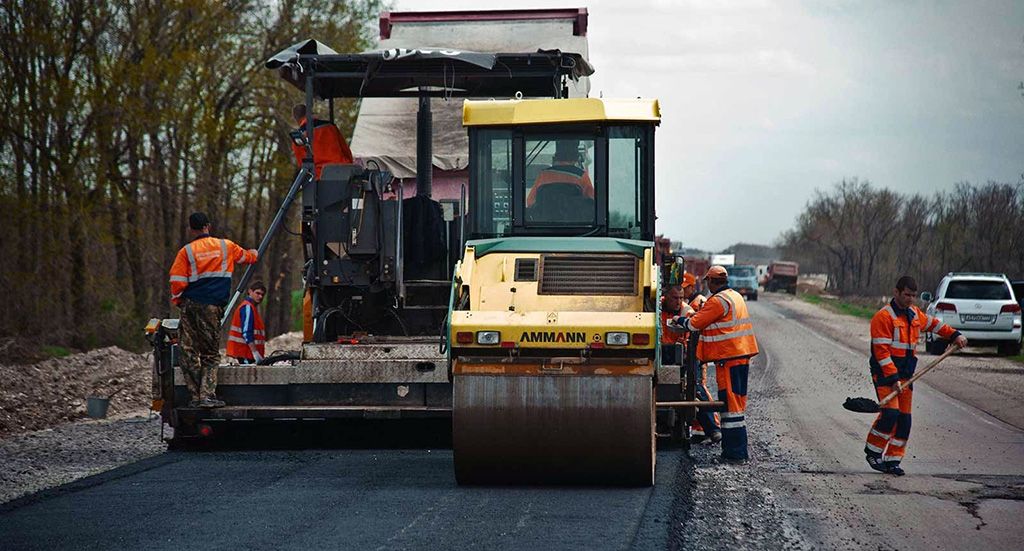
{"x":336,"y":499}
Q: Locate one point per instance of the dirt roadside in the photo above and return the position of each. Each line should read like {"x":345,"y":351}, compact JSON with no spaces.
{"x":47,"y":440}
{"x":975,"y":376}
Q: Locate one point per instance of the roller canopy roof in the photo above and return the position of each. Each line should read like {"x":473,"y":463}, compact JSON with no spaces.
{"x":444,"y":72}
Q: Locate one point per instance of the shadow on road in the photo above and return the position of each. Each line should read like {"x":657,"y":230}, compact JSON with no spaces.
{"x":324,"y":435}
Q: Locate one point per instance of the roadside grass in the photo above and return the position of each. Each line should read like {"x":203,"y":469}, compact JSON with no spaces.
{"x":55,"y":351}
{"x":1018,"y":358}
{"x":840,"y":306}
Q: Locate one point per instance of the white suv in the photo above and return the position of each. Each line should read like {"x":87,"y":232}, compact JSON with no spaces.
{"x":981,"y":306}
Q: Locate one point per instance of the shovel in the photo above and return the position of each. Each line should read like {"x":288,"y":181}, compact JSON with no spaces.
{"x":867,"y":405}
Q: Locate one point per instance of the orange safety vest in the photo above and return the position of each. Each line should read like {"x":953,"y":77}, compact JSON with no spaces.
{"x":726,"y":331}
{"x":698,"y":302}
{"x":246,"y":315}
{"x":202,"y":270}
{"x":894,"y":336}
{"x":669,"y":336}
{"x":329,"y":146}
{"x":561,"y":174}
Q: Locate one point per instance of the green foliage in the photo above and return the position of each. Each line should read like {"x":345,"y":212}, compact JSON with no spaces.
{"x":840,"y":306}
{"x":121,"y":118}
{"x":55,"y":351}
{"x":297,"y":295}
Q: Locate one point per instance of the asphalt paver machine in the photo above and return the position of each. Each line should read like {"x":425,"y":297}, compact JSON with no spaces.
{"x":378,"y":255}
{"x":528,"y":314}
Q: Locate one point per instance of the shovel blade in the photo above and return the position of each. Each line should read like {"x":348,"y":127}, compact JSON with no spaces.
{"x":861,"y":405}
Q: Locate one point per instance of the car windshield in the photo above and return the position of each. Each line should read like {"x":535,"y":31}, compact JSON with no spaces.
{"x":742,"y":271}
{"x":978,"y":290}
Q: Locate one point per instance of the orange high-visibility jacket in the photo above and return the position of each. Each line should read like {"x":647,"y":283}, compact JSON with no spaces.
{"x":726,"y":331}
{"x":246,"y":327}
{"x":561,"y":174}
{"x":202,"y":270}
{"x":329,"y":146}
{"x":669,"y":336}
{"x":697,"y":301}
{"x":894,"y":336}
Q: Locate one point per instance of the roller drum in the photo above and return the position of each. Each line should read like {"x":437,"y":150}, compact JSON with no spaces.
{"x":583,"y":428}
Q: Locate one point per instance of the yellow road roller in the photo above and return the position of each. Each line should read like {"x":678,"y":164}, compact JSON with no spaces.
{"x":554,"y":325}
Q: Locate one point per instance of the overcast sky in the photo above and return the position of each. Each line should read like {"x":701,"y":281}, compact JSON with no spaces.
{"x":763,"y":101}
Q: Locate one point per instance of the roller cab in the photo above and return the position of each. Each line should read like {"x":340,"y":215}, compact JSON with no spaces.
{"x":553,"y":327}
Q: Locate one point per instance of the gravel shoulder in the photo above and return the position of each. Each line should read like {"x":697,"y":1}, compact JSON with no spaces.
{"x":976,"y":376}
{"x":47,"y":440}
{"x":50,"y":457}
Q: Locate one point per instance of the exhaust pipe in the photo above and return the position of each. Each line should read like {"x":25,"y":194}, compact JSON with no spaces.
{"x":424,"y":146}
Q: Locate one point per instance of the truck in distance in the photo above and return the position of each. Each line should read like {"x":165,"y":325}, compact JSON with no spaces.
{"x":782,"y":276}
{"x":743,"y":279}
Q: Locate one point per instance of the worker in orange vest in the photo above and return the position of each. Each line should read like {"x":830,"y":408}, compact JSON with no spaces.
{"x":329,"y":146}
{"x":707,"y":423}
{"x":201,"y":286}
{"x":894,"y":333}
{"x":565,"y":169}
{"x":727,"y":339}
{"x":247,"y":336}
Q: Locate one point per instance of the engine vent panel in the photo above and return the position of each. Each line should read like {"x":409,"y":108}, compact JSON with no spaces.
{"x":588,"y":274}
{"x":526,"y":269}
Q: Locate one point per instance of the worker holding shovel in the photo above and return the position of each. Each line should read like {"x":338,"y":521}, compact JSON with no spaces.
{"x":894,"y":333}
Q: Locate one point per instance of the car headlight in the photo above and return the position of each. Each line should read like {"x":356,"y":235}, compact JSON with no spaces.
{"x":488,"y":337}
{"x":616,"y":338}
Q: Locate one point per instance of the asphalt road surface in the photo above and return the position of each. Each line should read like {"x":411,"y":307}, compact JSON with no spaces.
{"x":806,"y":487}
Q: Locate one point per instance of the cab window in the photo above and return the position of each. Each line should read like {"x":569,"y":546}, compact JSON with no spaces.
{"x":558,"y":180}
{"x":625,"y":162}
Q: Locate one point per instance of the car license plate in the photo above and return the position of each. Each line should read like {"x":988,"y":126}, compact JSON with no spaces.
{"x":986,"y":318}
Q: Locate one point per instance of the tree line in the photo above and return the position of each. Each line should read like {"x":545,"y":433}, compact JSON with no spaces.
{"x":865,"y":237}
{"x":123,"y":116}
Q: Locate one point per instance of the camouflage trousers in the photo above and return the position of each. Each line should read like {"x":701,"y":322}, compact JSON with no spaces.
{"x":199,"y":333}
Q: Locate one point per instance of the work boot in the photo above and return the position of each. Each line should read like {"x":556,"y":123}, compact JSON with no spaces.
{"x":210,"y":403}
{"x":732,"y":460}
{"x":716,"y":437}
{"x":893,"y":468}
{"x":875,"y":462}
{"x":697,"y":438}
{"x":193,"y":403}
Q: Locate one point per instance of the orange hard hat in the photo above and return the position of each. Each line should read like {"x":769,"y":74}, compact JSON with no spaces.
{"x":716,"y":272}
{"x":689,"y":280}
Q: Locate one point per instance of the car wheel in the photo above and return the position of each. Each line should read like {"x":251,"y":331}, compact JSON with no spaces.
{"x":1009,"y":348}
{"x":753,"y":296}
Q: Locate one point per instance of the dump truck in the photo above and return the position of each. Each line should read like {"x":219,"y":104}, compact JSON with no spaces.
{"x":782,"y":276}
{"x":743,"y":279}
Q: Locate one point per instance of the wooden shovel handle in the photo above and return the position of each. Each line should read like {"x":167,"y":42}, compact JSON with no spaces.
{"x":920,"y":373}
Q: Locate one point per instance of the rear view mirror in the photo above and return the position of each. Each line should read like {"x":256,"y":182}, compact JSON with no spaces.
{"x":926,"y":296}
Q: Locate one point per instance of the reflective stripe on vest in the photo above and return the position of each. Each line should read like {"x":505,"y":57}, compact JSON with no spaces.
{"x":732,"y":336}
{"x":194,"y":274}
{"x":236,"y":345}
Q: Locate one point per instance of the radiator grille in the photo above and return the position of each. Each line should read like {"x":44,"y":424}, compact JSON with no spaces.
{"x":526,"y":269}
{"x":588,"y":274}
